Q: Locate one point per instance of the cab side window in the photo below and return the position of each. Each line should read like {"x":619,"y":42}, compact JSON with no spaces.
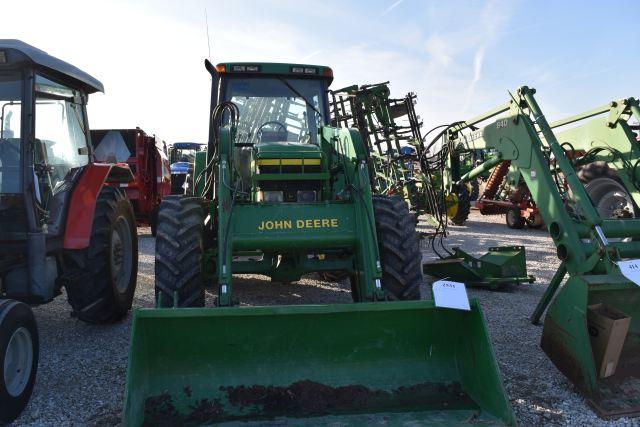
{"x":60,"y":133}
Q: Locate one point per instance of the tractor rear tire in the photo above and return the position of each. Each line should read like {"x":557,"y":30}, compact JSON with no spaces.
{"x":464,"y":205}
{"x":399,"y":248}
{"x":19,"y":351}
{"x":111,"y":262}
{"x":607,"y":192}
{"x":179,"y":248}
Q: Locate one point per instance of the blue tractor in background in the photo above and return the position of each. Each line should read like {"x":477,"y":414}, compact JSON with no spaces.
{"x":182,"y":156}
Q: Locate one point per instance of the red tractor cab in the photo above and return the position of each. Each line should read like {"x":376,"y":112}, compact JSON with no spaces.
{"x":146,"y":156}
{"x":64,"y":221}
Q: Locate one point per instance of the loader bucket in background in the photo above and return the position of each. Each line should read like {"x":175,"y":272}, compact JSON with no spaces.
{"x":566,"y":341}
{"x":500,"y":266}
{"x":402,"y":361}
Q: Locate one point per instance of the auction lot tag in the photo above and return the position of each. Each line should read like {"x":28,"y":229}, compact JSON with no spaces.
{"x":631,"y":270}
{"x":450,"y":294}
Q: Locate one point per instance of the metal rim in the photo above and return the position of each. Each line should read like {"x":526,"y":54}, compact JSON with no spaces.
{"x":512,"y":217}
{"x":18,"y":359}
{"x":609,"y":196}
{"x":120,"y":259}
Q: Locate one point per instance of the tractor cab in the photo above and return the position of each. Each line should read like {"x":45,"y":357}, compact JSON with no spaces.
{"x":43,"y":137}
{"x":277,"y":103}
{"x":281,"y":108}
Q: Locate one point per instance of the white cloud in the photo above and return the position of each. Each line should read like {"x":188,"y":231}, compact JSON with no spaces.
{"x":493,"y":19}
{"x":311,"y":55}
{"x":391,"y":7}
{"x":439,"y":50}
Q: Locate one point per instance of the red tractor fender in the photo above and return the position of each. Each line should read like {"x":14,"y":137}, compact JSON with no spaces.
{"x":82,"y":207}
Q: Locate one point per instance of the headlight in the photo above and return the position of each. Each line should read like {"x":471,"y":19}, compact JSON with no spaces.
{"x":306,"y":196}
{"x":272,"y":196}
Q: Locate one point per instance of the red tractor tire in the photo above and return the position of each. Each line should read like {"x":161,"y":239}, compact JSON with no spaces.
{"x":109,"y":264}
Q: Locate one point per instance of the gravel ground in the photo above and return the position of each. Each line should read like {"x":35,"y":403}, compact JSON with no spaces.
{"x":82,"y":367}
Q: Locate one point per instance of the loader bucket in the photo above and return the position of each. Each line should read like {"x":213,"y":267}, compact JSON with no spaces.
{"x":566,"y":340}
{"x":359,"y":364}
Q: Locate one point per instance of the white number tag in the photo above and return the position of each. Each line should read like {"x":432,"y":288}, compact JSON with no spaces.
{"x":450,"y":295}
{"x":631,"y":270}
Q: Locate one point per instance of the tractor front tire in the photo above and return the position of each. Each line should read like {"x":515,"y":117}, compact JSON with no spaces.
{"x":19,"y":350}
{"x":399,"y":248}
{"x":179,"y":248}
{"x":110,"y":262}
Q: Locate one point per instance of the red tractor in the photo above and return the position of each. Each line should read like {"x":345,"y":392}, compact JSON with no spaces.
{"x":64,"y":221}
{"x":146,"y":156}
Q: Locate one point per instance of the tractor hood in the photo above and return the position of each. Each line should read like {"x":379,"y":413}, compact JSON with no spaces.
{"x":288,"y":152}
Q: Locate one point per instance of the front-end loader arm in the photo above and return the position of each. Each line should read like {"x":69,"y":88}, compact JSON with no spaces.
{"x":591,"y":248}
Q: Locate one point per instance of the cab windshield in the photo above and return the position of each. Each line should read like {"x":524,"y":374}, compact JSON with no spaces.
{"x":187,"y":155}
{"x":276,"y":109}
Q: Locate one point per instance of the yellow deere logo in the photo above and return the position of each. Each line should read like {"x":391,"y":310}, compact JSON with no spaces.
{"x":299,"y":223}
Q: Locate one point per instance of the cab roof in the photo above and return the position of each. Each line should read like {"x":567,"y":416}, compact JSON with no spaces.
{"x":188,"y":145}
{"x":297,"y":70}
{"x":15,"y":51}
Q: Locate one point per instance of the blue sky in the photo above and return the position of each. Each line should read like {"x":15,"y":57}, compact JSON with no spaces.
{"x":460,"y":57}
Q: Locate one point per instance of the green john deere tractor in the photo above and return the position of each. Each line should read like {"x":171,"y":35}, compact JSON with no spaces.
{"x":282,"y":194}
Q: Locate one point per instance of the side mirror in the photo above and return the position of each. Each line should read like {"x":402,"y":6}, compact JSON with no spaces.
{"x":211,"y":68}
{"x":40,"y":155}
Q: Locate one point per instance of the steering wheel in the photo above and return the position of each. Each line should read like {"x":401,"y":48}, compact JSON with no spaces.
{"x":272,"y":122}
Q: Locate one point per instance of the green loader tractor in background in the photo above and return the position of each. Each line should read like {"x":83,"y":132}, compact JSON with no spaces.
{"x":282,"y":194}
{"x":599,"y":252}
{"x":593,"y":143}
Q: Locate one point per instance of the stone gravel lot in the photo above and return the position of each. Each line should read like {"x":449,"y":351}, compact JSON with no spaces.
{"x":82,"y":367}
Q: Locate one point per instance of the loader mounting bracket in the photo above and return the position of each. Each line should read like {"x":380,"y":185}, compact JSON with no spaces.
{"x":500,"y":266}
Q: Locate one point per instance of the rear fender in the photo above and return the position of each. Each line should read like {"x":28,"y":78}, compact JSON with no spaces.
{"x":83,"y":200}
